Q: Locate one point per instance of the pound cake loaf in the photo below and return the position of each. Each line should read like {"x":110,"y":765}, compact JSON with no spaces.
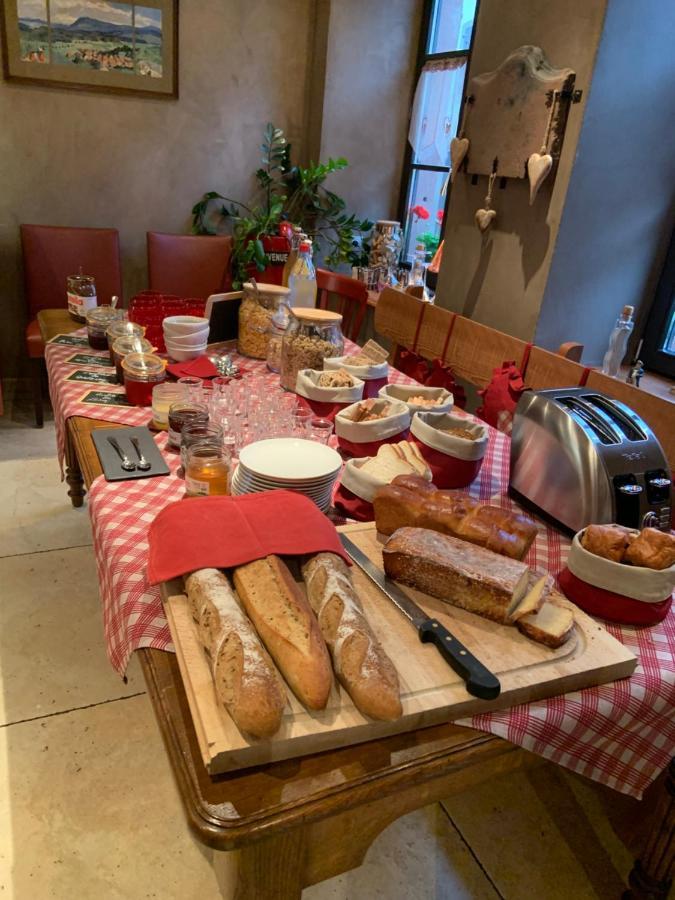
{"x":284,"y":620}
{"x":414,"y":503}
{"x":470,"y":577}
{"x":246,"y":681}
{"x":360,"y":663}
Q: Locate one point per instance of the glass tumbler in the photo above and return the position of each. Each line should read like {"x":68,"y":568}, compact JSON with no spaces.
{"x":193,"y":386}
{"x":321,"y":429}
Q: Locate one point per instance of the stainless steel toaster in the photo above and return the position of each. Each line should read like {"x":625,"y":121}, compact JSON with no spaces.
{"x":580,"y":457}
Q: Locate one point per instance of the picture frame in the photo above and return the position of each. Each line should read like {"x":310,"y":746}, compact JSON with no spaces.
{"x":114,"y":46}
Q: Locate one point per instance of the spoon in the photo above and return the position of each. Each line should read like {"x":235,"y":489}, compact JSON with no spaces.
{"x":143,"y":464}
{"x":127,"y":464}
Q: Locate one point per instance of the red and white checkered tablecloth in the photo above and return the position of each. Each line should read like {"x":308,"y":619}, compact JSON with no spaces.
{"x":621,"y":734}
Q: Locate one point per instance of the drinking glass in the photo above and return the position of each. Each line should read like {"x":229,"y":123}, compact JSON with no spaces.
{"x":321,"y":429}
{"x":301,"y":419}
{"x":194,"y":387}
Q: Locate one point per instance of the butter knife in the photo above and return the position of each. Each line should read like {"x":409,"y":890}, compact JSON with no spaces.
{"x":479,"y":680}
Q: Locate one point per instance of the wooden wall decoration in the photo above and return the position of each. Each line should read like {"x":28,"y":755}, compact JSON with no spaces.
{"x":508,"y":111}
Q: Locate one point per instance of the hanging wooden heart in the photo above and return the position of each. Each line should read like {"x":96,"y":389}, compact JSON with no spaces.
{"x":459,"y":147}
{"x":538,"y":167}
{"x":484,"y":218}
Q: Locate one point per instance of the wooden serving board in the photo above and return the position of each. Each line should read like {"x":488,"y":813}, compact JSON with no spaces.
{"x":431,"y":692}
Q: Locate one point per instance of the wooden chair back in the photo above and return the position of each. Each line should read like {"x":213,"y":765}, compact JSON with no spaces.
{"x":551,"y":370}
{"x":658,"y":412}
{"x":189,"y":265}
{"x":351,"y":299}
{"x":51,"y":253}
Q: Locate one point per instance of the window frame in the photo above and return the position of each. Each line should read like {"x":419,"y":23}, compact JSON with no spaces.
{"x":410,"y":167}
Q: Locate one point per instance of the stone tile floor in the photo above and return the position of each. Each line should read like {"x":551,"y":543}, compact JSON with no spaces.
{"x":88,"y":807}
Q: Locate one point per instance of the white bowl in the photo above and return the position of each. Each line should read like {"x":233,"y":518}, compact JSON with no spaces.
{"x":185,"y":341}
{"x":182,"y":355}
{"x":182,"y":325}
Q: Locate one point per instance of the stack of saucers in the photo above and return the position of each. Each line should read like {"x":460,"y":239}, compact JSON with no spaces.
{"x":185,"y":337}
{"x":292,"y":464}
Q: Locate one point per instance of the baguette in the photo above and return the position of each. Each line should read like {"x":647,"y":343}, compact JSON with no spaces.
{"x":360,"y":663}
{"x":470,"y":577}
{"x":411,"y":503}
{"x":286,"y":624}
{"x":246,"y":681}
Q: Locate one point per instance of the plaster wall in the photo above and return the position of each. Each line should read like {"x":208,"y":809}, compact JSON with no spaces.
{"x":88,"y":159}
{"x":619,"y":210}
{"x":500,"y":279}
{"x":369,"y":82}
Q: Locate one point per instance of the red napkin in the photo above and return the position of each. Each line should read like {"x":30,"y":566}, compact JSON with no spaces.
{"x":222,"y":532}
{"x":202,"y":367}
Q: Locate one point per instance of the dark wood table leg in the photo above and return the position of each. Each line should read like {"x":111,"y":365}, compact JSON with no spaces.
{"x":74,"y":477}
{"x":652,"y":875}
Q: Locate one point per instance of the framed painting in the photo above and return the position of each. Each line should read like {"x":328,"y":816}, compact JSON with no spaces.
{"x":100,"y":45}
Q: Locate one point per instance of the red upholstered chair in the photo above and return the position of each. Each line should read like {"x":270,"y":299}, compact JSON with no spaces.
{"x":352,"y":299}
{"x":50,"y":254}
{"x":189,"y":265}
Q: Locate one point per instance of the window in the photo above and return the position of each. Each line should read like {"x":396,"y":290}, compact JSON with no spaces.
{"x":658,"y":351}
{"x":447,"y":30}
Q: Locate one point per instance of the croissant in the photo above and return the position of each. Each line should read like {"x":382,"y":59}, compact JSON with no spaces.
{"x":652,"y":548}
{"x":608,"y":541}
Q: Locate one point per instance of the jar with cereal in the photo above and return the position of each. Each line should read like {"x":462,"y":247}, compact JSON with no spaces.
{"x":258,"y":305}
{"x":312,"y":335}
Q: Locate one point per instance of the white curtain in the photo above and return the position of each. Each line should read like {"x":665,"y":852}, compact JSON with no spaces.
{"x":436,"y":108}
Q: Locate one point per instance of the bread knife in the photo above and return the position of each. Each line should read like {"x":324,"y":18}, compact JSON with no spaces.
{"x":479,"y":681}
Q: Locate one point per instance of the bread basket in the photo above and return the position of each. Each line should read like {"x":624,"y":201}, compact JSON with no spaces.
{"x":631,"y":595}
{"x":326,"y":401}
{"x":454,"y":461}
{"x":404,"y":392}
{"x":364,"y":438}
{"x":375,"y":376}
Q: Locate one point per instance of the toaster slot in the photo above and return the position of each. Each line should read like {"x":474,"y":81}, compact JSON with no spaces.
{"x":622,"y":420}
{"x":627,"y":494}
{"x":589,"y":419}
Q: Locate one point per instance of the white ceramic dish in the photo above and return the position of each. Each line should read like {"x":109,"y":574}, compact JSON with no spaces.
{"x":185,"y":341}
{"x":290,"y":459}
{"x":178,"y":325}
{"x":178,"y":355}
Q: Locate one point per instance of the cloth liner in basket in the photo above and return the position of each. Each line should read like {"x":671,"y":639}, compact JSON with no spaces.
{"x":375,"y":376}
{"x":364,"y":438}
{"x":454,"y":461}
{"x":631,"y":595}
{"x":355,"y":493}
{"x":405,"y":391}
{"x":326,"y":401}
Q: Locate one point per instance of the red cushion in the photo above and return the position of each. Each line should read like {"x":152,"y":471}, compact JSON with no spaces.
{"x":34,"y":343}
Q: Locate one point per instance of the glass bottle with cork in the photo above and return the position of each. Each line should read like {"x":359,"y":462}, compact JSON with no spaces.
{"x":618,"y":341}
{"x":302,"y":280}
{"x":295,"y":237}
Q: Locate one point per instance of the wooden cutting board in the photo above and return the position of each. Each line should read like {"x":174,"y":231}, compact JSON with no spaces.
{"x":430,"y":690}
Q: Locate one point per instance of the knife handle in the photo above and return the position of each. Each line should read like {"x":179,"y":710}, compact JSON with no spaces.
{"x":479,"y":681}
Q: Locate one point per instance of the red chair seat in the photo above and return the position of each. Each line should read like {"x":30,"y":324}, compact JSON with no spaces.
{"x":35,"y":346}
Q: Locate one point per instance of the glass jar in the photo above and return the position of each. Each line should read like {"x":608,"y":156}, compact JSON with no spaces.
{"x":98,"y":320}
{"x":199,"y":433}
{"x":312,"y":335}
{"x":164,"y":396}
{"x":81,"y":294}
{"x":142,"y":371}
{"x":207,"y":471}
{"x":255,"y":314}
{"x":275,"y":336}
{"x":385,"y":245}
{"x":123,"y":328}
{"x":182,"y":412}
{"x":125,"y":345}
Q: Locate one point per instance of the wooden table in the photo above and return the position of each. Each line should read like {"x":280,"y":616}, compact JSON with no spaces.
{"x":298,"y":822}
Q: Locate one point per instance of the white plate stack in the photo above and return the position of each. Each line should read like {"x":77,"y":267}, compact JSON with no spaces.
{"x":291,"y":464}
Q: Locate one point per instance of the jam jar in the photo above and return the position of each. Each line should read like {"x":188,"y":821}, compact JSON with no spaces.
{"x":122,"y":328}
{"x":180,"y":414}
{"x":142,"y":371}
{"x":81,"y":295}
{"x":98,"y":320}
{"x":312,"y":335}
{"x":130,"y":343}
{"x":258,"y":305}
{"x":163,"y":398}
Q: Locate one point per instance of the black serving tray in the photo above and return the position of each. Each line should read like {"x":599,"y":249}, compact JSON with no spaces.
{"x":112,"y":464}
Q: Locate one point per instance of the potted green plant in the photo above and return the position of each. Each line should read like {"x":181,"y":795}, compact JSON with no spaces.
{"x":286,"y":193}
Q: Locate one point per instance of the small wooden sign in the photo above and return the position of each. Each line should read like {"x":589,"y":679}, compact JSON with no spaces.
{"x":103,"y":398}
{"x":86,"y":359}
{"x":92,"y":377}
